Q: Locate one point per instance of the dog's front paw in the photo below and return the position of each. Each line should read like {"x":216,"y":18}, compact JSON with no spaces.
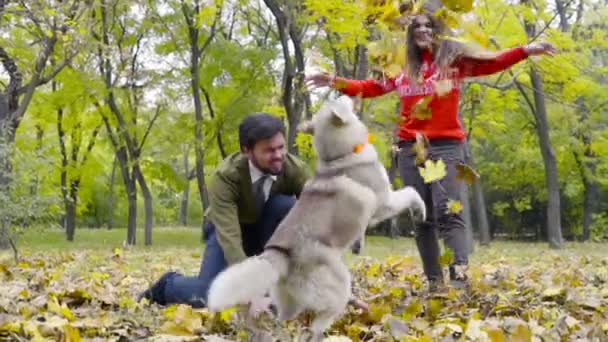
{"x":417,"y":206}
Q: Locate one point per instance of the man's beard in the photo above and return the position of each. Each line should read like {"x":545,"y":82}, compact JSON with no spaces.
{"x":265,"y":170}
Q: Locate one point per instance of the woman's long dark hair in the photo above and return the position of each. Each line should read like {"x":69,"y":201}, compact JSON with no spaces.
{"x":446,"y":51}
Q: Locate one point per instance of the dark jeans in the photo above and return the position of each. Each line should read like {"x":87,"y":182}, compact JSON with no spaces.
{"x":440,"y":222}
{"x":193,"y":290}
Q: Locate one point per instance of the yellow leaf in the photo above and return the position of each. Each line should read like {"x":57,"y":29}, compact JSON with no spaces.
{"x":458,"y":5}
{"x":340,"y":84}
{"x":32,"y":332}
{"x":420,"y":148}
{"x":454,"y":207}
{"x":412,"y":310}
{"x":4,"y":270}
{"x":466,"y":173}
{"x":446,"y":258}
{"x":172,"y":328}
{"x":376,"y":312}
{"x":496,"y":335}
{"x":373,"y":270}
{"x":10,"y":327}
{"x":354,"y":332}
{"x":117,"y":252}
{"x":184,"y":321}
{"x":553,"y":292}
{"x":226,"y":315}
{"x":70,"y":334}
{"x":421,"y":110}
{"x":432,"y":170}
{"x":62,"y":310}
{"x":477,"y":34}
{"x":448,"y":17}
{"x":396,"y":292}
{"x":434,"y":308}
{"x":521,"y":333}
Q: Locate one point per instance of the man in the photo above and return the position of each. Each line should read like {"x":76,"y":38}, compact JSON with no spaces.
{"x":250,"y":192}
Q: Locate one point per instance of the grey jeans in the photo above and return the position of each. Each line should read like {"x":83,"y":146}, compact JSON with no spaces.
{"x":440,"y":222}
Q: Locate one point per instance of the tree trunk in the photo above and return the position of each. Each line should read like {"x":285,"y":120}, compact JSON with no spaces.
{"x":466,"y":215}
{"x":294,"y":95}
{"x":554,"y":227}
{"x":563,"y":16}
{"x":131,"y":189}
{"x":479,"y":202}
{"x":591,"y":197}
{"x":195,"y":55}
{"x":70,"y":212}
{"x":148,"y":211}
{"x":591,"y":189}
{"x":183,"y":209}
{"x":110,"y":222}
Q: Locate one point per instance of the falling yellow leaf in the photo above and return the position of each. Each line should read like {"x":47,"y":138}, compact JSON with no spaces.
{"x":117,"y":252}
{"x":454,"y":207}
{"x":476,"y":34}
{"x":421,"y":148}
{"x":458,"y":5}
{"x":421,"y":110}
{"x":446,"y":258}
{"x":340,"y":84}
{"x":466,"y":173}
{"x":450,"y":18}
{"x":432,"y":170}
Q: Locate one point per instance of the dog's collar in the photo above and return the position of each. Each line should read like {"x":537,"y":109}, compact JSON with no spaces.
{"x":359,"y":147}
{"x":356,"y":149}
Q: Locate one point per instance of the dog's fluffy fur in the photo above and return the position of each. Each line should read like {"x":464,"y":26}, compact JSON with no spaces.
{"x":302,"y":263}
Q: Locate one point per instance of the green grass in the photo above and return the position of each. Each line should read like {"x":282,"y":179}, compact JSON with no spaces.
{"x":189,"y":240}
{"x":39,"y":238}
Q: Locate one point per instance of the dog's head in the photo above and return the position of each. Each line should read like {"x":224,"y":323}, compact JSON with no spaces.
{"x":336,"y":129}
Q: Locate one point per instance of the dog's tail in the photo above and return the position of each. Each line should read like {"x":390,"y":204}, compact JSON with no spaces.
{"x":249,"y":279}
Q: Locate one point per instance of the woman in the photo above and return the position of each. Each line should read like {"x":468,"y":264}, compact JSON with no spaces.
{"x":435,"y":70}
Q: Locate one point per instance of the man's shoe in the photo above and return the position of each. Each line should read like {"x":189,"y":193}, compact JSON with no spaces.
{"x":458,"y":276}
{"x":156,"y":292}
{"x":436,"y":286}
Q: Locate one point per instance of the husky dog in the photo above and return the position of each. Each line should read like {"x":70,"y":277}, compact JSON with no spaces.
{"x":302,"y":263}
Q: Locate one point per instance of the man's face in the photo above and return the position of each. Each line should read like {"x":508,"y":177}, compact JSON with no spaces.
{"x":268,"y":154}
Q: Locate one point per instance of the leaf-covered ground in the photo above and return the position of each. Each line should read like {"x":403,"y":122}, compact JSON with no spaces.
{"x":519,"y":292}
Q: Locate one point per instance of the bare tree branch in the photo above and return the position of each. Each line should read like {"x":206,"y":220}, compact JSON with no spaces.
{"x":149,"y":128}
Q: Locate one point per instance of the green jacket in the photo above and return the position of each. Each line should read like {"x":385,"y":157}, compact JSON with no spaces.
{"x":231,"y":199}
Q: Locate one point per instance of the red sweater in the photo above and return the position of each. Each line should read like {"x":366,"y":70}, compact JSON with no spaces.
{"x":444,"y":122}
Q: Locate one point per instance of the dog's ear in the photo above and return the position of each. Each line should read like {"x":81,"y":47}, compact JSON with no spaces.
{"x":306,"y":127}
{"x":337,"y":119}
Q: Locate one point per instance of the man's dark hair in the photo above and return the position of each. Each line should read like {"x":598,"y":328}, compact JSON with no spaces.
{"x":258,"y":126}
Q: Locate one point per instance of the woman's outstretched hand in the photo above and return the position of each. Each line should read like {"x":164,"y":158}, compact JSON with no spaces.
{"x":540,"y":48}
{"x":319,"y":81}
